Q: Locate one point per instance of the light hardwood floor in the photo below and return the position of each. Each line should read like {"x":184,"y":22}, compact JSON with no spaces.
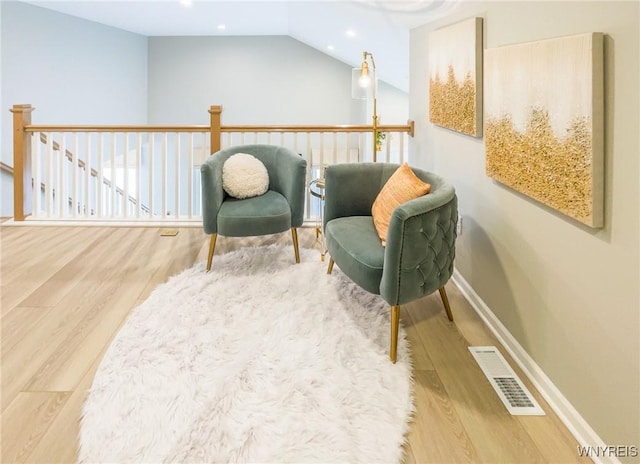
{"x":66,"y":292}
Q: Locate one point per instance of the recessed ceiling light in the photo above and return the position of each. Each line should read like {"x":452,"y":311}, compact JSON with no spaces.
{"x":185,"y":2}
{"x":330,"y":47}
{"x":350,"y":33}
{"x":221,"y":27}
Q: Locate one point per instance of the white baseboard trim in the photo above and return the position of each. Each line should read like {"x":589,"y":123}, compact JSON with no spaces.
{"x":570,"y":417}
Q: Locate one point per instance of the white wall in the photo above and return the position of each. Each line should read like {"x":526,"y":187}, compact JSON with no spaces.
{"x":569,"y":294}
{"x":393,"y":105}
{"x":6,"y":181}
{"x":71,"y":70}
{"x":257,"y":80}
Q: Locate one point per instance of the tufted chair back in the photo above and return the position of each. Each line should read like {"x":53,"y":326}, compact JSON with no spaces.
{"x":421,"y":243}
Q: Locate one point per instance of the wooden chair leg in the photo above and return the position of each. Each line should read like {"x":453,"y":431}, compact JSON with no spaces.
{"x":395,"y":325}
{"x":212,"y":247}
{"x":445,"y":301}
{"x":294,"y":236}
{"x":330,"y":268}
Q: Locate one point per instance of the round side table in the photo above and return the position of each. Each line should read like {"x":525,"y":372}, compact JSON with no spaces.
{"x":316,"y":189}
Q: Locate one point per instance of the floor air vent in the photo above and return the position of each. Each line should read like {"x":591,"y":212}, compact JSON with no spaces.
{"x":505,"y":382}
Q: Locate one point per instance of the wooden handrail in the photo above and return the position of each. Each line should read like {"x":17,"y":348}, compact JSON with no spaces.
{"x":109,"y":128}
{"x":229,"y":128}
{"x":338,"y":128}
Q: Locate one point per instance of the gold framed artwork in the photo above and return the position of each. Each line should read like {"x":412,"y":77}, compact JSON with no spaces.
{"x":544,"y":122}
{"x":455,"y":77}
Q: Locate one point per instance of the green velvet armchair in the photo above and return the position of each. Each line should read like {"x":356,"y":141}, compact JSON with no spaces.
{"x":279,"y":209}
{"x":420,"y":245}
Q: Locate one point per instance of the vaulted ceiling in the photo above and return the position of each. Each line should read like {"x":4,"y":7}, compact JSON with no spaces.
{"x":342,"y":29}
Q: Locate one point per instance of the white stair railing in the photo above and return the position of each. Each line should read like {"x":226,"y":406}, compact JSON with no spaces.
{"x":117,"y":176}
{"x":123,"y":174}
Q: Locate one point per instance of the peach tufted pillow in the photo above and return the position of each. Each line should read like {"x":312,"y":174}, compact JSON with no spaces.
{"x":402,"y":186}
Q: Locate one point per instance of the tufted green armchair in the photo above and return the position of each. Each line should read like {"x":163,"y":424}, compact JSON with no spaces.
{"x":418,"y":257}
{"x":279,"y":209}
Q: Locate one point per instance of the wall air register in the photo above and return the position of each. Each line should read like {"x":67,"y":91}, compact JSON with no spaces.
{"x":515,"y":396}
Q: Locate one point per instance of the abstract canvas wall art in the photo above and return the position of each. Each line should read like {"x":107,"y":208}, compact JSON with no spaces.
{"x":455,"y":77}
{"x":544,"y":122}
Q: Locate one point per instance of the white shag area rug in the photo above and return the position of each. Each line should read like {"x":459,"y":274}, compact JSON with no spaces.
{"x":260,"y":360}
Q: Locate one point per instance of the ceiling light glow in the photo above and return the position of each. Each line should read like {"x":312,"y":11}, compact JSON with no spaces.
{"x":185,"y":2}
{"x":330,"y":47}
{"x":350,"y":33}
{"x":221,"y":27}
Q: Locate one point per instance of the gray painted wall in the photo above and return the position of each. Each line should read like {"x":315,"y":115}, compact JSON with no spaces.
{"x":569,"y":294}
{"x":257,"y":80}
{"x":71,"y":70}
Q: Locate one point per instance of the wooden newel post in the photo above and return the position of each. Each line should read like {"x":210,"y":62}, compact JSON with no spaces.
{"x":22,"y":178}
{"x":215,"y":111}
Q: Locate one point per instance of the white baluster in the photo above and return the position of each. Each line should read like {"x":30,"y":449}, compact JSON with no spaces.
{"x":205,"y":142}
{"x":310,"y":161}
{"x":125,"y":175}
{"x":74,"y":175}
{"x":60,"y":190}
{"x":163,"y":176}
{"x":48,"y":190}
{"x":138,"y":174}
{"x":176,"y":197}
{"x":321,"y":160}
{"x":334,"y":152}
{"x":36,"y":157}
{"x":387,"y":147}
{"x":100,"y":202}
{"x":87,"y":175}
{"x":151,"y":136}
{"x":114,"y":182}
{"x":190,"y":174}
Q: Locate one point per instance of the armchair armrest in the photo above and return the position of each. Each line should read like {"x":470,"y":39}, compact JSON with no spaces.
{"x":291,"y":173}
{"x":212,"y":192}
{"x":420,"y":246}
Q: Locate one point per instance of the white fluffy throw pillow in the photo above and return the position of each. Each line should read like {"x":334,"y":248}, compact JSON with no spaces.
{"x":244,"y":176}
